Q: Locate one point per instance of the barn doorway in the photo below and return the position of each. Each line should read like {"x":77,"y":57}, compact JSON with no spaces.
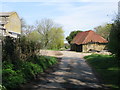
{"x":79,"y":48}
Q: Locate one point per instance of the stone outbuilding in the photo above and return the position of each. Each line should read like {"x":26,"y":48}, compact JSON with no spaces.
{"x":88,"y":40}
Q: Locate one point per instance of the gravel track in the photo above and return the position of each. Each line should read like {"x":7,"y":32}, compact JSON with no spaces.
{"x":71,"y":72}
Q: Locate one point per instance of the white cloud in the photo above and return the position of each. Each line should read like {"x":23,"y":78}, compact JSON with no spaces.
{"x":85,"y":17}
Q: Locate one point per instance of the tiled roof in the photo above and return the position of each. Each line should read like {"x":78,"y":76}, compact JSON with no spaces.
{"x":86,"y":37}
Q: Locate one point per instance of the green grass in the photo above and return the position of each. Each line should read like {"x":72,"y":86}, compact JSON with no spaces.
{"x":107,"y":67}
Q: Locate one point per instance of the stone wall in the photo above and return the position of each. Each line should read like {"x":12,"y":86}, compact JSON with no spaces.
{"x":95,"y":46}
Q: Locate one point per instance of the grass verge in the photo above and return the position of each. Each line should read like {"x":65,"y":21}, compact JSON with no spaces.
{"x":107,"y":67}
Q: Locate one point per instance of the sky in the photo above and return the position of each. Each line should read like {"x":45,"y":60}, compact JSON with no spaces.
{"x":70,"y":14}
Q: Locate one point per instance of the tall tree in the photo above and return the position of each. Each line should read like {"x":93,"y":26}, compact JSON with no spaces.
{"x":56,"y":38}
{"x":34,"y":36}
{"x":72,"y":35}
{"x":43,"y":27}
{"x":49,"y":31}
{"x":114,"y":38}
{"x":104,"y":30}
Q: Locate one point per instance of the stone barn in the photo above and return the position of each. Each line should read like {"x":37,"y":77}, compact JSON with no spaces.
{"x":88,"y":40}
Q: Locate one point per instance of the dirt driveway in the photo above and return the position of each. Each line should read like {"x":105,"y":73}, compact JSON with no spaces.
{"x":72,"y":72}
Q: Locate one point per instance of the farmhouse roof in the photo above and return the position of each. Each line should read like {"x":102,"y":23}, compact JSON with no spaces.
{"x":86,"y":37}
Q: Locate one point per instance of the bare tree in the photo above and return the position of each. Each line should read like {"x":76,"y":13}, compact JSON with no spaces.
{"x":26,"y":29}
{"x":43,"y":27}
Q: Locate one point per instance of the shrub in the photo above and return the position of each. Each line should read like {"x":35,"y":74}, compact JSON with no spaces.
{"x":19,"y":72}
{"x":28,"y":47}
{"x":50,"y":60}
{"x":20,"y":48}
{"x":38,"y":60}
{"x":44,"y":61}
{"x":7,"y":65}
{"x":11,"y":78}
{"x":2,"y":87}
{"x":10,"y":48}
{"x":30,"y":70}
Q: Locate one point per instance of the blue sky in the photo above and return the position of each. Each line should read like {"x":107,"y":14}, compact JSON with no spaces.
{"x":70,"y":14}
